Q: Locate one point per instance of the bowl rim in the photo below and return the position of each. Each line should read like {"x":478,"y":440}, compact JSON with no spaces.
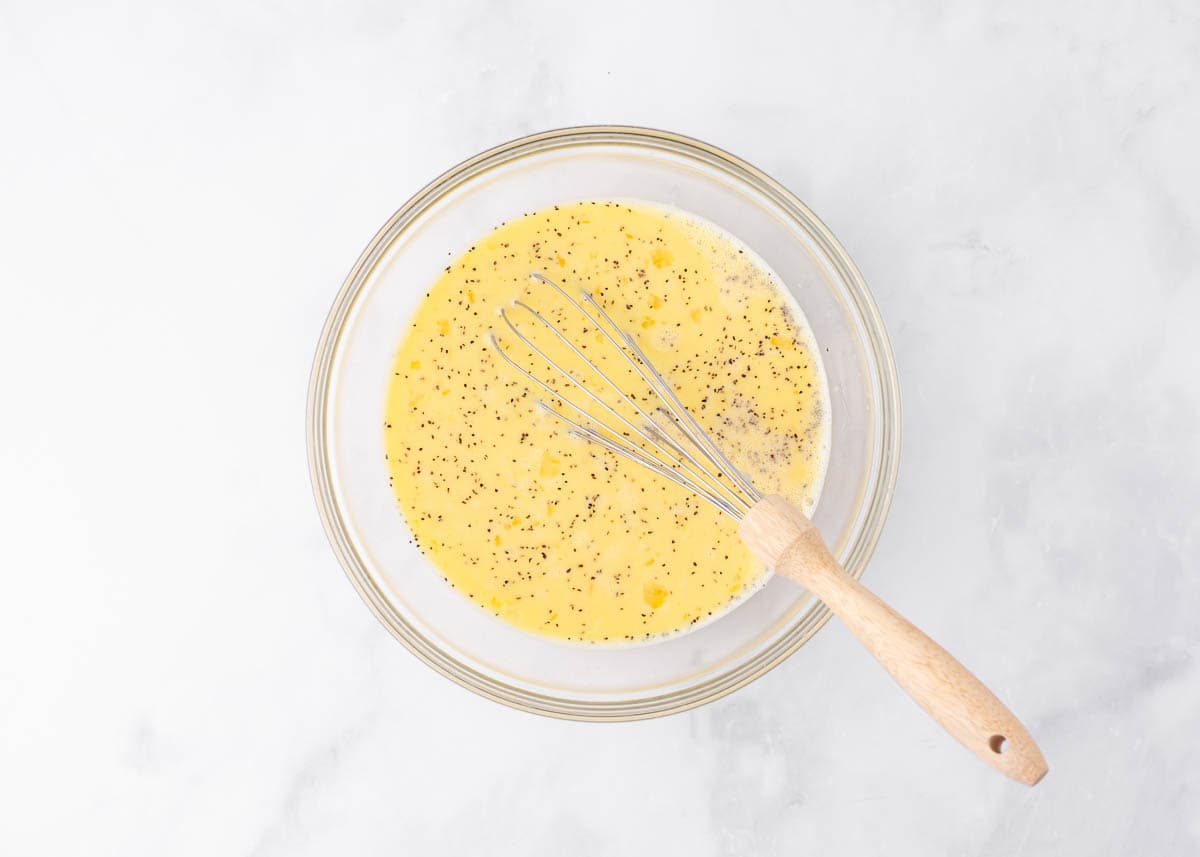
{"x":885,"y":465}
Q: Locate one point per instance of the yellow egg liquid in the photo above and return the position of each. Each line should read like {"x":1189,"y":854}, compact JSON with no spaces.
{"x":548,"y":532}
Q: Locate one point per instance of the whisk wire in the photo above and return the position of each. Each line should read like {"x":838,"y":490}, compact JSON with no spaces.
{"x":638,"y":430}
{"x":729,"y":490}
{"x":687,"y":423}
{"x":654,"y":380}
{"x":651,"y":377}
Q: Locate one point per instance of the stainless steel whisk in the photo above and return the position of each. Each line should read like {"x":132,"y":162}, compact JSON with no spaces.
{"x":727,"y":488}
{"x":665,"y":438}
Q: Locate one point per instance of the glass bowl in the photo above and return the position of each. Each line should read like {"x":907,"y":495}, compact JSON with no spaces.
{"x":370,"y":315}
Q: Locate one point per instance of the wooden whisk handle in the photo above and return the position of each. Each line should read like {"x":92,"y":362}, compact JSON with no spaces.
{"x":786,"y":541}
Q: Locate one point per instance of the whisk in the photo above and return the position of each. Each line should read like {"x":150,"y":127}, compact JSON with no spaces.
{"x":656,"y":431}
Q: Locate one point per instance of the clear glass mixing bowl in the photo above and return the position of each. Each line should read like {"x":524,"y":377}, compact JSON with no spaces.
{"x":349,"y":380}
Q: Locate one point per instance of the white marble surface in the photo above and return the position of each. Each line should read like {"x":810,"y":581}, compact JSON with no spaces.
{"x":183,"y":667}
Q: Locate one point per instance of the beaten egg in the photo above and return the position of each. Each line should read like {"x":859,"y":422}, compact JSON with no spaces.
{"x":559,"y":537}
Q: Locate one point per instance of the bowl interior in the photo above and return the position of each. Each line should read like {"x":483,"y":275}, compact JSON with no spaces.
{"x":371,"y":316}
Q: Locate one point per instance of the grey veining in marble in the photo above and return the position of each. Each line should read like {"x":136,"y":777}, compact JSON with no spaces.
{"x":182,"y":188}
